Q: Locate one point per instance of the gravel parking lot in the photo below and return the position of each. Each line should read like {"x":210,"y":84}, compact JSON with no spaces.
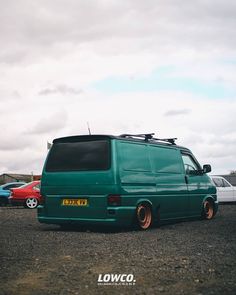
{"x":195,"y":257}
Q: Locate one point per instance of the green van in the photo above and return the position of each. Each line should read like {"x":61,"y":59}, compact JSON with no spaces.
{"x":122,"y":180}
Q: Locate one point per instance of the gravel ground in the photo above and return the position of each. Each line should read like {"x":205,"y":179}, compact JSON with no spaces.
{"x":195,"y":257}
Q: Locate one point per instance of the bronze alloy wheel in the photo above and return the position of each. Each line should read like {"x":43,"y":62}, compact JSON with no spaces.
{"x":144,"y":216}
{"x":208,"y":209}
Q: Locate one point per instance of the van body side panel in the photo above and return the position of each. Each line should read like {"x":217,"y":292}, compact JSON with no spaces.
{"x":155,"y":174}
{"x":135,"y":174}
{"x":136,"y":180}
{"x":172,"y":194}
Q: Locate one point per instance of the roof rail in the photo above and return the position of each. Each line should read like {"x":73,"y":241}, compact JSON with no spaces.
{"x":149,"y":136}
{"x":169,"y":140}
{"x":146,"y":136}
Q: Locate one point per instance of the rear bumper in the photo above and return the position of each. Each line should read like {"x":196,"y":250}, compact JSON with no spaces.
{"x":120,"y":216}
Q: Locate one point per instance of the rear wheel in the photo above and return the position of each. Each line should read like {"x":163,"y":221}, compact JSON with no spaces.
{"x":144,"y":216}
{"x":31,"y":203}
{"x":208,"y":210}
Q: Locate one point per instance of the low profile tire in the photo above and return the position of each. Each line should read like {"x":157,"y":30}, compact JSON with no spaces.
{"x":144,"y":216}
{"x":208,"y":210}
{"x":31,"y":203}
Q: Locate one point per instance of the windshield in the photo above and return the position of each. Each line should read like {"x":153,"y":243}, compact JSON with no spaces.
{"x":79,"y":156}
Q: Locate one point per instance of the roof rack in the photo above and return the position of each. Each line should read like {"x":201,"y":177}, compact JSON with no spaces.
{"x":146,"y":136}
{"x":149,"y":136}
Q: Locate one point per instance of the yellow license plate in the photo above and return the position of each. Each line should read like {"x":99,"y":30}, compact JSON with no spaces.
{"x":74,"y":202}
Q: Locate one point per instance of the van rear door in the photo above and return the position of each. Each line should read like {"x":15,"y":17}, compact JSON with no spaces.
{"x":77,"y":177}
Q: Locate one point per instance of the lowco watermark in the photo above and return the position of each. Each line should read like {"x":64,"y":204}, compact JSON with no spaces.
{"x":116,"y":279}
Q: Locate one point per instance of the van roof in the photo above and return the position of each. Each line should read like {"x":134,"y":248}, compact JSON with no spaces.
{"x":76,"y":138}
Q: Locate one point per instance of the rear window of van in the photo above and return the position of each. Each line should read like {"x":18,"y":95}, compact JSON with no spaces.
{"x":79,"y":156}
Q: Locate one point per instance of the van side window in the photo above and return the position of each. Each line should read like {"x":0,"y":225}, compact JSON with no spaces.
{"x":189,"y":164}
{"x":165,"y":160}
{"x":135,"y":157}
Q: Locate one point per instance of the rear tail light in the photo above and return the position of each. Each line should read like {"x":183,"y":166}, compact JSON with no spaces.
{"x":114,"y":200}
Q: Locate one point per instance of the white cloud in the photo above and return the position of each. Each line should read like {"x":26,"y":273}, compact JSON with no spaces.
{"x":177,"y":112}
{"x":208,"y":129}
{"x":50,"y":124}
{"x":53,"y":52}
{"x":60,"y":89}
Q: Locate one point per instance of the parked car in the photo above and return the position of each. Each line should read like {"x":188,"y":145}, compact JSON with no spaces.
{"x":5,"y":191}
{"x":225,"y":191}
{"x":27,"y":195}
{"x":123,"y":180}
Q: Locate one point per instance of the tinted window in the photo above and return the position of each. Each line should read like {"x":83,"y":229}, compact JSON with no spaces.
{"x":79,"y":156}
{"x":13,"y":185}
{"x":166,"y":160}
{"x":17,"y":185}
{"x":7,"y":187}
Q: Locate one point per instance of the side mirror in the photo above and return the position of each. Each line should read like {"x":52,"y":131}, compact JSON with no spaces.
{"x":206,"y":168}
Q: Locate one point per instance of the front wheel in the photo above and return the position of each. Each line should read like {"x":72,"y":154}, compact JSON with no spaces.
{"x":31,"y":203}
{"x":144,"y":216}
{"x":208,"y":210}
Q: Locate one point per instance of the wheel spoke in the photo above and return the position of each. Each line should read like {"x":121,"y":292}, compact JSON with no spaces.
{"x":31,"y":203}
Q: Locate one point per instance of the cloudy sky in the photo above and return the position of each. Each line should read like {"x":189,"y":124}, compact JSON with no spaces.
{"x":127,"y":66}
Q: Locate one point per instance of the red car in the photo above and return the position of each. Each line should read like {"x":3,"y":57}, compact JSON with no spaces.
{"x":27,"y":195}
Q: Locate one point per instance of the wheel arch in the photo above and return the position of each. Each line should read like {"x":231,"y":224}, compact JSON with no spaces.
{"x":32,"y":196}
{"x":155,"y":208}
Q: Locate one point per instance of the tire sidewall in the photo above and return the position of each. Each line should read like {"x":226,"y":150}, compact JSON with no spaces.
{"x":204,"y":214}
{"x":148,"y":208}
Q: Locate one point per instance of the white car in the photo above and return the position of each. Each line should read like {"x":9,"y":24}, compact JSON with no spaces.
{"x":225,"y":191}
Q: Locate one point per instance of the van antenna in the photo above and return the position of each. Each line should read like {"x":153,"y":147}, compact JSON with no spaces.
{"x":89,"y":128}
